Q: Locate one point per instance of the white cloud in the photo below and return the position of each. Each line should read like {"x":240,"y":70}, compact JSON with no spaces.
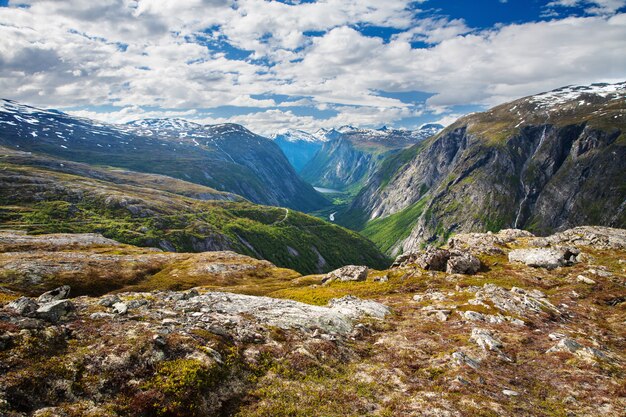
{"x":601,"y":7}
{"x":133,"y":53}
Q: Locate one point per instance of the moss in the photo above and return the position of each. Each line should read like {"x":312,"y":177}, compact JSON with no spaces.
{"x":182,"y":384}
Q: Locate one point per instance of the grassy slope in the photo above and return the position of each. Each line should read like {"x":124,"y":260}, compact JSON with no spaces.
{"x":388,"y":231}
{"x":43,"y":200}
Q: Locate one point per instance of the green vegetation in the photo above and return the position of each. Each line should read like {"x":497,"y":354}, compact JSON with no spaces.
{"x":40,"y":199}
{"x":388,"y":231}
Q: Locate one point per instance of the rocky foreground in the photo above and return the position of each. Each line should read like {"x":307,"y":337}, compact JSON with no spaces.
{"x":504,"y":324}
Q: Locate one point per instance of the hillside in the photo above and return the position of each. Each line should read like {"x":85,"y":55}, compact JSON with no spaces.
{"x":537,"y":331}
{"x":542,"y":163}
{"x":226,"y":157}
{"x":47,"y":195}
{"x":350,"y":155}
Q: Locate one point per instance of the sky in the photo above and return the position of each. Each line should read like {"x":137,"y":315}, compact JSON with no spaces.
{"x":302,"y":64}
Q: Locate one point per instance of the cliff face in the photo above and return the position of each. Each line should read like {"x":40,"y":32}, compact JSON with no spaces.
{"x":351,"y":156}
{"x":542,"y":163}
{"x":339,"y":164}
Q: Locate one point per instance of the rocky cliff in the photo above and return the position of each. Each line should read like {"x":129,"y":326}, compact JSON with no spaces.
{"x":347,"y":160}
{"x":542,"y":163}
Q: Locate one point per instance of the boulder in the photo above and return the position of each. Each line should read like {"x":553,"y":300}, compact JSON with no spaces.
{"x":24,"y":306}
{"x":453,"y":261}
{"x":462,"y":359}
{"x":56,"y":294}
{"x":54,"y":310}
{"x":347,"y":273}
{"x":516,"y":301}
{"x":120,"y":308}
{"x":461,"y":262}
{"x":490,"y":243}
{"x":571,"y":346}
{"x":109,"y":300}
{"x":485,"y":339}
{"x":548,"y":258}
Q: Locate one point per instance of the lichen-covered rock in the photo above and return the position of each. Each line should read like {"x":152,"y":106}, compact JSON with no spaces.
{"x":451,"y":261}
{"x":549,"y":258}
{"x":347,"y":273}
{"x":462,"y":263}
{"x":491,"y":243}
{"x":54,"y":311}
{"x":597,"y":236}
{"x":355,"y":307}
{"x":569,"y":345}
{"x":60,"y":293}
{"x":515,"y":301}
{"x":485,"y":339}
{"x":462,"y":359}
{"x":23,"y":306}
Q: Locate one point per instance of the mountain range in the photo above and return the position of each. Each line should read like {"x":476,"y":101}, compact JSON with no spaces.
{"x":347,"y":156}
{"x":227,"y":157}
{"x":542,"y":163}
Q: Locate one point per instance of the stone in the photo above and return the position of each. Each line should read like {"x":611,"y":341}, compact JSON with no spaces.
{"x":489,"y":243}
{"x":120,"y":308}
{"x":54,"y":311}
{"x":548,"y":258}
{"x":597,"y":236}
{"x":462,"y":263}
{"x":136,"y":303}
{"x":60,"y":293}
{"x":585,"y":280}
{"x":24,"y":306}
{"x":485,"y":339}
{"x":354,"y":307}
{"x":510,"y":393}
{"x":569,"y":345}
{"x":432,"y":259}
{"x":109,"y":300}
{"x":516,"y":301}
{"x":100,"y":315}
{"x":347,"y":273}
{"x":462,"y":359}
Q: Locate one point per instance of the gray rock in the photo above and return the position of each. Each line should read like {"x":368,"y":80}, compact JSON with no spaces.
{"x":597,"y":236}
{"x":549,"y":258}
{"x":136,"y":303}
{"x":516,"y":301}
{"x":54,"y":310}
{"x":462,"y":359}
{"x":585,"y":280}
{"x":491,"y":243}
{"x":485,"y":339}
{"x":120,"y":308}
{"x":571,"y":346}
{"x":451,"y":261}
{"x":23,"y":306}
{"x":227,"y":309}
{"x":510,"y":393}
{"x":60,"y":293}
{"x":109,"y":300}
{"x":347,"y":273}
{"x":462,"y":263}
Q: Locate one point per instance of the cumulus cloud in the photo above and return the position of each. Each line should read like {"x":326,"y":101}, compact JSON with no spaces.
{"x":205,"y":54}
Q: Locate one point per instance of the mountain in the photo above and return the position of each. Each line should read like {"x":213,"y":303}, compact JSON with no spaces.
{"x":543,"y":163}
{"x":42,"y":194}
{"x":351,"y":155}
{"x":226,"y":157}
{"x":299,"y":146}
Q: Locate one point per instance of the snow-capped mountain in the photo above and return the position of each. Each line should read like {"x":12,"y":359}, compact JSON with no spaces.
{"x":546,"y":162}
{"x":227,"y":157}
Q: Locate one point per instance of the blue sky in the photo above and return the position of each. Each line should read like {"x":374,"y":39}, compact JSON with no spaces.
{"x":272,"y":65}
